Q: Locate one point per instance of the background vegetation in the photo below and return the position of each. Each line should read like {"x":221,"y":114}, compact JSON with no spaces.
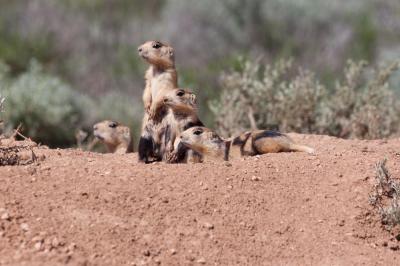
{"x":66,"y":64}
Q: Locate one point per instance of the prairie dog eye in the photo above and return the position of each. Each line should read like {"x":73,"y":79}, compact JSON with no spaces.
{"x":180,"y":93}
{"x":197,"y":132}
{"x":113,"y":124}
{"x":156,"y":45}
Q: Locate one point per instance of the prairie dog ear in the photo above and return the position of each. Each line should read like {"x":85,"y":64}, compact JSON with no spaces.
{"x":213,"y":136}
{"x":127,"y":133}
{"x":193,"y":99}
{"x":171,"y":52}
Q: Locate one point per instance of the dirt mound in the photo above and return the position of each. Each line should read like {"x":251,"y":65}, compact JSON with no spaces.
{"x":85,"y":208}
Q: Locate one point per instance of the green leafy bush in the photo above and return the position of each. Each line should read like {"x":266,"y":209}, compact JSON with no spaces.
{"x":48,"y":109}
{"x":270,"y":97}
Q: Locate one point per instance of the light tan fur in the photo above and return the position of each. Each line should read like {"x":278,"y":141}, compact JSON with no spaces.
{"x":114,"y":136}
{"x":160,"y":77}
{"x":213,"y":147}
{"x":181,"y":100}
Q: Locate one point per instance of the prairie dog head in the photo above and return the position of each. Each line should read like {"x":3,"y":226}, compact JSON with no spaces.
{"x":180,"y":100}
{"x":112,"y":134}
{"x":157,"y":53}
{"x":203,"y":140}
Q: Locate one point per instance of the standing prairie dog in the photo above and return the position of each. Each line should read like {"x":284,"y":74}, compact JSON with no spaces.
{"x":213,"y":147}
{"x":161,"y":76}
{"x":116,"y":137}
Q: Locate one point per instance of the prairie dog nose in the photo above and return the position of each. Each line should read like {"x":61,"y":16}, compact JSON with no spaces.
{"x":140,"y":49}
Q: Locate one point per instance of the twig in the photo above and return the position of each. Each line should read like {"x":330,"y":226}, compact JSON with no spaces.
{"x":17,"y":133}
{"x":253,"y":123}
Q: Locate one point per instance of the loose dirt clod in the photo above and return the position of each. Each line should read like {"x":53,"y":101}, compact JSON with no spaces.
{"x":5,"y":216}
{"x":201,"y":261}
{"x":209,"y":226}
{"x":173,"y":251}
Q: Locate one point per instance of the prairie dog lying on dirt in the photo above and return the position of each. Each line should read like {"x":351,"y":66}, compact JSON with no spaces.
{"x":116,"y":137}
{"x":213,"y":147}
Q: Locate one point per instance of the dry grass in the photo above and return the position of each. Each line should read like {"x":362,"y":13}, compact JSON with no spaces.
{"x":386,"y":196}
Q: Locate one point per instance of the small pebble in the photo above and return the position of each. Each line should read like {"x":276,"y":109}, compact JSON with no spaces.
{"x":55,"y":243}
{"x":24,"y":227}
{"x":5,"y":216}
{"x":165,"y":200}
{"x":38,"y":246}
{"x":255,"y":178}
{"x":209,"y":226}
{"x":201,"y":261}
{"x":228,"y":164}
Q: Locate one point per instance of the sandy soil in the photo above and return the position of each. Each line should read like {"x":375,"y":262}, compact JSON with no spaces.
{"x":82,"y":208}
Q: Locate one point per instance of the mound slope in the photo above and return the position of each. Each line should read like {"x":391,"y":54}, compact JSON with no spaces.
{"x":82,"y":208}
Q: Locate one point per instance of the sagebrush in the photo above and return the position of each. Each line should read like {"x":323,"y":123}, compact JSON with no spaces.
{"x":283,"y":98}
{"x":45,"y":106}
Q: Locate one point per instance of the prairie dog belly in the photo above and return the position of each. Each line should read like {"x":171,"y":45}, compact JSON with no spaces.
{"x":160,"y":83}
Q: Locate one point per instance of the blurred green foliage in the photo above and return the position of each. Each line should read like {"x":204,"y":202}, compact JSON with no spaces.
{"x":91,"y":44}
{"x":50,"y":111}
{"x":366,"y":37}
{"x":17,"y":51}
{"x":46,"y":107}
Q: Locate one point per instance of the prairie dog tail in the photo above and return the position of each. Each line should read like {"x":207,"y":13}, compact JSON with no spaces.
{"x":304,"y":148}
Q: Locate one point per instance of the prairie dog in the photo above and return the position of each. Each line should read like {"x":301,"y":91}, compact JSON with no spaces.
{"x":116,"y":137}
{"x":182,"y":115}
{"x":178,"y":113}
{"x":213,"y":147}
{"x":161,"y":76}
